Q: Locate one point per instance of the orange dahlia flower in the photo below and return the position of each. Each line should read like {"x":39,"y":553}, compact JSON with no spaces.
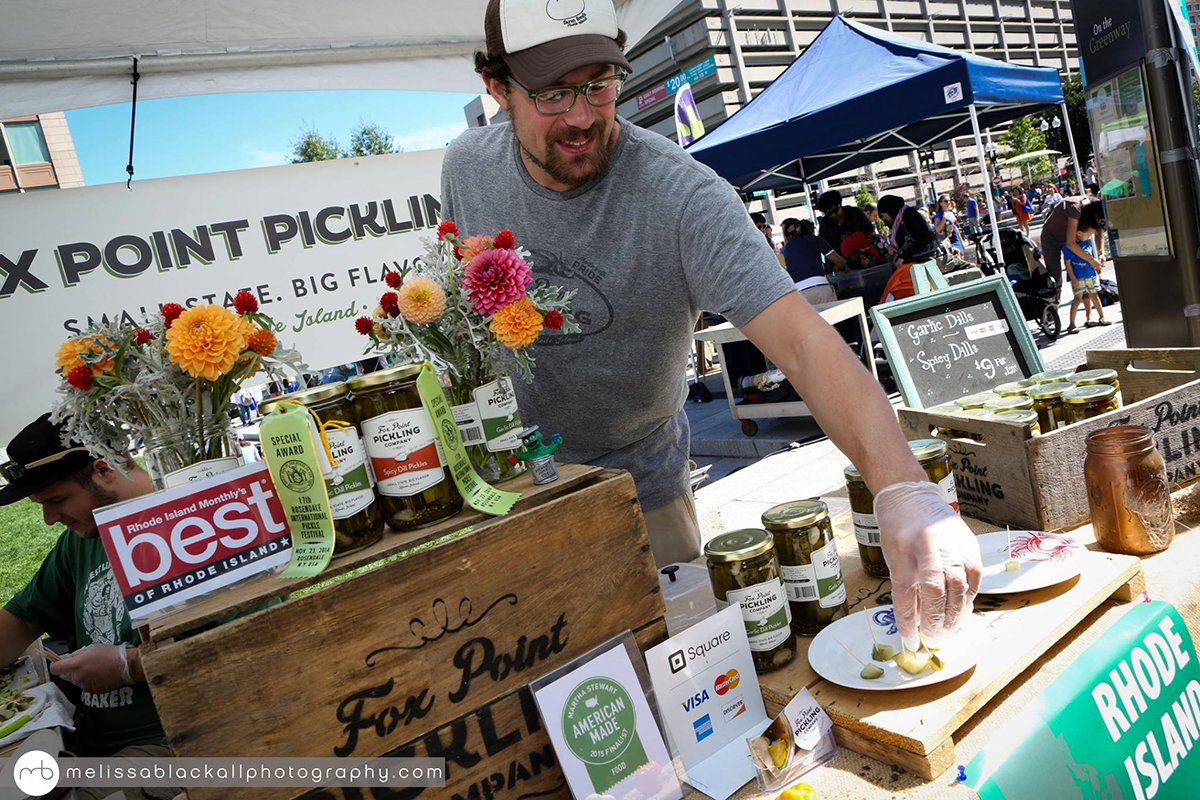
{"x":473,"y":246}
{"x":421,"y":300}
{"x":70,"y":352}
{"x":518,"y":324}
{"x":206,"y":341}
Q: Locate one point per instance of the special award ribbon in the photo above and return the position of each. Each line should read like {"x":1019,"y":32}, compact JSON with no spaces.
{"x":294,"y":459}
{"x":599,"y":724}
{"x":475,"y":491}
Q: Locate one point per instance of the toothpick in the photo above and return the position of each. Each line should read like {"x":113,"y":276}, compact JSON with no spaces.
{"x":851,"y":652}
{"x":870,"y":627}
{"x":1008,"y":542}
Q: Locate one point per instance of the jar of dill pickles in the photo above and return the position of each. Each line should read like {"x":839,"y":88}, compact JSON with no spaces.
{"x":1052,"y":376}
{"x":1085,"y":402}
{"x":934,"y":458}
{"x":974,"y":400}
{"x":1014,"y":388}
{"x":866,"y":526}
{"x":1048,"y":403}
{"x":808,"y":562}
{"x":743,"y":569}
{"x":357,"y":521}
{"x":1096,"y":377}
{"x":1023,"y":417}
{"x":1021,"y":402}
{"x":413,"y":482}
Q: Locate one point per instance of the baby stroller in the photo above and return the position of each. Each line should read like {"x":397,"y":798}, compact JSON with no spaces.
{"x":1035,"y":288}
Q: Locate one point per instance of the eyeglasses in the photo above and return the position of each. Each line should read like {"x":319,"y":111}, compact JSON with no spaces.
{"x":561,"y":99}
{"x":12,"y":471}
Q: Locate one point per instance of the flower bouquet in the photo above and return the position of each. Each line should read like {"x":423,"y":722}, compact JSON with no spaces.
{"x":471,"y":308}
{"x":170,"y":382}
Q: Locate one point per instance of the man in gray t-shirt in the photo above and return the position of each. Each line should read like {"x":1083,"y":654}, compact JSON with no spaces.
{"x":649,"y":238}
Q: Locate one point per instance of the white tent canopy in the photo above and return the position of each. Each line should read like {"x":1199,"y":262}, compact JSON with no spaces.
{"x":57,"y":55}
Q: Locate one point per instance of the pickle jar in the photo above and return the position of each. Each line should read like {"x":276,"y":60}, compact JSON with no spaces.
{"x":934,"y":458}
{"x":412,"y":480}
{"x":809,"y":563}
{"x":1128,"y":494}
{"x":1085,"y":402}
{"x":973,"y":400}
{"x":1048,"y":403}
{"x":1022,"y":416}
{"x":1095,"y":377}
{"x":357,"y":521}
{"x":744,"y":569}
{"x":1014,"y":388}
{"x":1053,"y":376}
{"x":866,"y":526}
{"x":1021,"y":402}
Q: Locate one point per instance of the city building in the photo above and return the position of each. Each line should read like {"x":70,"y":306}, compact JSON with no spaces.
{"x":1193,"y":14}
{"x":38,"y":153}
{"x":729,"y":50}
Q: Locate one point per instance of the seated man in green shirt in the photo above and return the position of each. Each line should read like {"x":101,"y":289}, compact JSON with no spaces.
{"x":74,"y":594}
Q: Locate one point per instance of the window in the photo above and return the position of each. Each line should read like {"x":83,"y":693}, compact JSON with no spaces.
{"x":4,"y":159}
{"x":28,"y":143}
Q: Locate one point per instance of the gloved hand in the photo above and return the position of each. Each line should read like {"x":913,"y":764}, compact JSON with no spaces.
{"x":934,"y":561}
{"x":95,"y":668}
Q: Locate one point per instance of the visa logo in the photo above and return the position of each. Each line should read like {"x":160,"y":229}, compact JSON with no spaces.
{"x":695,"y":701}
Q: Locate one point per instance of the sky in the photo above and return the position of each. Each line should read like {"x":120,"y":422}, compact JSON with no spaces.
{"x":212,"y":133}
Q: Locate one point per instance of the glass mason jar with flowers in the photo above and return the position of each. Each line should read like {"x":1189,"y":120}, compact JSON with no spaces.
{"x":470,"y":308}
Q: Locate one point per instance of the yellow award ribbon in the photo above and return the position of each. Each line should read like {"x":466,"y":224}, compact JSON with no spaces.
{"x":292,"y":455}
{"x":477,"y":493}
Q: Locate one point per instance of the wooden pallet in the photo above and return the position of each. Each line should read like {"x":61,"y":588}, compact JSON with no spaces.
{"x":915,"y":728}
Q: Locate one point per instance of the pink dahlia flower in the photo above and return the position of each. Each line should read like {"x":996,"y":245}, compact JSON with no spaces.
{"x":496,"y":278}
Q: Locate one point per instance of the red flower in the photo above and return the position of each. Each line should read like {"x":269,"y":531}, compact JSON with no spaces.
{"x":392,"y":279}
{"x":171,"y":312}
{"x":553,"y":319}
{"x":142,"y":336}
{"x":447,"y":226}
{"x":363,"y":326}
{"x":504,"y":240}
{"x":80,"y":377}
{"x":245,"y":303}
{"x":390,"y":303}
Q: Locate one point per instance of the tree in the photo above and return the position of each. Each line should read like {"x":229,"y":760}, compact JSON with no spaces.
{"x":863,"y":196}
{"x":1023,"y":137}
{"x":312,"y":146}
{"x":369,"y":139}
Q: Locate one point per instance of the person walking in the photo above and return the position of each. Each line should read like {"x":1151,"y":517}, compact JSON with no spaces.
{"x":1022,"y":209}
{"x":244,"y":401}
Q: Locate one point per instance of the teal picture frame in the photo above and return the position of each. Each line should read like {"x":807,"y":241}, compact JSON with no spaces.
{"x":883,"y":314}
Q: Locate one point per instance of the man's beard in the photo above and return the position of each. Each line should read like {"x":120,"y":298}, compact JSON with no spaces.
{"x":556,"y":164}
{"x":100,"y":498}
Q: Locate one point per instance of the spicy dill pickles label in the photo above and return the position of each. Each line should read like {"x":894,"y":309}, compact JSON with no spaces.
{"x":497,"y":405}
{"x":404,"y":452}
{"x":350,"y":487}
{"x":765,"y":613}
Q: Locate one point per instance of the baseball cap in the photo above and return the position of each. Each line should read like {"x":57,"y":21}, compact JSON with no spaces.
{"x":542,"y":40}
{"x":38,"y":458}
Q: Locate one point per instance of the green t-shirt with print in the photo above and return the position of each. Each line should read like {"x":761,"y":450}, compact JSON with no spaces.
{"x":75,"y":594}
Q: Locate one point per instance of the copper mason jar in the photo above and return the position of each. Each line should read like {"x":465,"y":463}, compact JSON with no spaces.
{"x":1127,"y":491}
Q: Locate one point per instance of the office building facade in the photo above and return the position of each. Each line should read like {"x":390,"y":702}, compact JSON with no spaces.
{"x":36,"y":153}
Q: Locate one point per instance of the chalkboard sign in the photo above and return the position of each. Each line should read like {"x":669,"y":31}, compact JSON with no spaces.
{"x":954,"y":342}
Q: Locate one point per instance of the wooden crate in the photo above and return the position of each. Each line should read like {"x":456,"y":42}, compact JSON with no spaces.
{"x":1008,"y":476}
{"x":915,"y":728}
{"x":428,"y":655}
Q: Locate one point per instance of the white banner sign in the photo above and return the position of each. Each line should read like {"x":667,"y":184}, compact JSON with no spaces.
{"x":311,"y":241}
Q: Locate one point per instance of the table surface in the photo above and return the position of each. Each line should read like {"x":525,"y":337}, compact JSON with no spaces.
{"x":1170,"y":576}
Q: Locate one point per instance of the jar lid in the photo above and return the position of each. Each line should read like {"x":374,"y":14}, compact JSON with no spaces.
{"x":1082,"y":395}
{"x":927,"y":449}
{"x":974,"y":400}
{"x":308,"y":396}
{"x":1010,"y":403}
{"x":383,"y":376}
{"x":1014,"y":387}
{"x":739,"y":545}
{"x":852,"y":474}
{"x":948,"y":408}
{"x":1023,"y":416}
{"x":974,"y":412}
{"x":794,"y":515}
{"x":1048,"y":391}
{"x":1093,"y":376}
{"x":1052,"y":375}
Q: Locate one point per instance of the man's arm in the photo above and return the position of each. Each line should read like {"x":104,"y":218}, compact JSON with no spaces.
{"x":15,"y":636}
{"x":847,"y":402}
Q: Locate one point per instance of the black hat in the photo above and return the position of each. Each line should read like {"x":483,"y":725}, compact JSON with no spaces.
{"x":37,"y":458}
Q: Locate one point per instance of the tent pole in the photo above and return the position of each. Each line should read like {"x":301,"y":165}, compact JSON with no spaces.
{"x":1071,"y":142}
{"x":812,"y":212}
{"x":993,"y":213}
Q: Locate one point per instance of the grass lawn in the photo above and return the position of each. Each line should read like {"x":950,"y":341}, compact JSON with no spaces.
{"x":26,"y":540}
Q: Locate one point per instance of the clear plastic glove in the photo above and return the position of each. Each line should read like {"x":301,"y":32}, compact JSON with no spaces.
{"x":95,"y":668}
{"x":934,"y":561}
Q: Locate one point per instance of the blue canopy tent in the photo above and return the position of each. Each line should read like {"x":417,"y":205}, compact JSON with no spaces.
{"x":858,"y":95}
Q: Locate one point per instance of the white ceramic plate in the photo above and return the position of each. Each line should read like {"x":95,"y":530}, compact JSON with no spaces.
{"x":21,"y":674}
{"x":831,"y":661}
{"x":39,"y":702}
{"x":1046,"y":559}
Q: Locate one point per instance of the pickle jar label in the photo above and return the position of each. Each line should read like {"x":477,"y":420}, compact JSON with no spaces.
{"x":497,"y":404}
{"x":470,"y":428}
{"x":404,"y":452}
{"x":866,"y":529}
{"x":949,"y":492}
{"x":350,"y":487}
{"x":765,"y":612}
{"x":799,"y":582}
{"x":828,"y":569}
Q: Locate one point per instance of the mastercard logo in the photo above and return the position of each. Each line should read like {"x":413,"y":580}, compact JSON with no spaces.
{"x":726,"y":682}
